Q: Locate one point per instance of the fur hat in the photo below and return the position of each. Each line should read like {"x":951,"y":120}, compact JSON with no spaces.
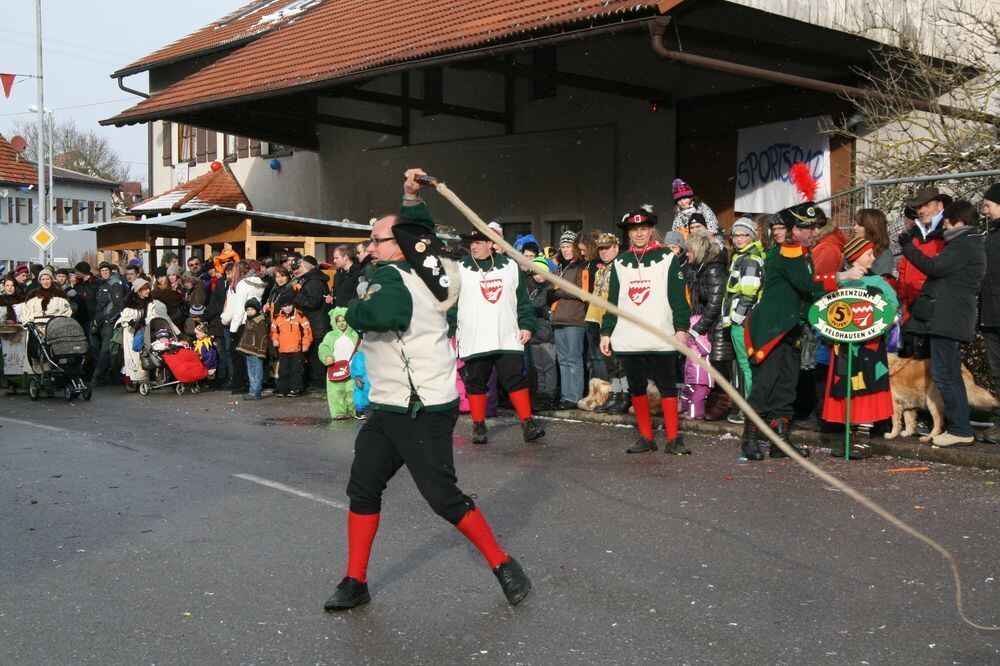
{"x":747,"y":225}
{"x":568,"y":237}
{"x":681,"y":189}
{"x":856,"y":247}
{"x":82,"y":267}
{"x":139,"y":284}
{"x":674,"y":238}
{"x":641,"y":215}
{"x":188,"y":276}
{"x":175,"y":269}
{"x":993,"y":194}
{"x":252,"y":303}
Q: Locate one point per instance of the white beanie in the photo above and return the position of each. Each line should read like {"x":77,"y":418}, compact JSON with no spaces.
{"x":747,"y":225}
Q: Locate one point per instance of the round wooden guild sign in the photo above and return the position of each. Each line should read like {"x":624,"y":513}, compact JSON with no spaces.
{"x":852,"y":315}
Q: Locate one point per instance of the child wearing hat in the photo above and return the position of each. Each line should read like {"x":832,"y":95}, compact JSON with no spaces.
{"x":871,"y":399}
{"x":291,"y":335}
{"x":337,"y":351}
{"x":687,"y":205}
{"x":204,"y":344}
{"x":746,"y":274}
{"x":567,"y":319}
{"x":541,"y":347}
{"x":253,"y":345}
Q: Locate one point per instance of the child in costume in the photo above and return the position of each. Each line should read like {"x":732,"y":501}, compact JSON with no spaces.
{"x":337,"y":351}
{"x":205,"y":346}
{"x":360,"y":376}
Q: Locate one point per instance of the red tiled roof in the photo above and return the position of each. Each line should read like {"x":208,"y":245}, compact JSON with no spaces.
{"x":14,"y":169}
{"x":244,"y":24}
{"x":348,"y":36}
{"x":215,"y":188}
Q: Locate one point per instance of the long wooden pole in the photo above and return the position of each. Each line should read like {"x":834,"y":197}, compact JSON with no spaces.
{"x":748,"y":411}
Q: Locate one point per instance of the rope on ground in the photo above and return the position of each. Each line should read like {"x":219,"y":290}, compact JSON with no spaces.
{"x":748,"y":411}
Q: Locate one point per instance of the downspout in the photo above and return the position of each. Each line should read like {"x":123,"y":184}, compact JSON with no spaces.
{"x":130,"y":90}
{"x":149,"y":140}
{"x":658,"y":27}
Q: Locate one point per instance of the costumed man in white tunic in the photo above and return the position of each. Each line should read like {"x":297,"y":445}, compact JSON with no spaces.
{"x":414,"y":398}
{"x":647,"y":282}
{"x":495,"y":320}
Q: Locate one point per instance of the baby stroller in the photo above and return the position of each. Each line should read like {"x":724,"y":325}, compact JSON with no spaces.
{"x":56,"y":351}
{"x":169,"y":364}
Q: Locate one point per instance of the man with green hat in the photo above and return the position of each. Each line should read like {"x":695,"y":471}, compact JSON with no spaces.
{"x":773,"y":328}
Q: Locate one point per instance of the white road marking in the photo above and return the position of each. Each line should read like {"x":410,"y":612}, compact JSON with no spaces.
{"x":33,"y":424}
{"x":288,"y":489}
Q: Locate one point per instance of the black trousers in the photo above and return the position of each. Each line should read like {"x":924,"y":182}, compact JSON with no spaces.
{"x":387,"y":441}
{"x":661,"y":368}
{"x":775,"y":381}
{"x":289,"y":372}
{"x":510,"y":372}
{"x":992,"y":337}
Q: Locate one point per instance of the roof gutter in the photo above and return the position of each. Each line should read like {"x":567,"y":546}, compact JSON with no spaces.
{"x":130,"y":90}
{"x":658,"y":27}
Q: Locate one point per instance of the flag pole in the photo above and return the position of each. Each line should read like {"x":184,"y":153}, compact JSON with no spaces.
{"x":40,"y":151}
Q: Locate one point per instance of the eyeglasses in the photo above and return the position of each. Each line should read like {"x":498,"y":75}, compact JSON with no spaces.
{"x":375,"y":240}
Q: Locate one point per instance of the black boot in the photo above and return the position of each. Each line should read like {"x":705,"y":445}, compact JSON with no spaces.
{"x":676,"y":446}
{"x":513,"y":581}
{"x":613,"y":404}
{"x":350,"y":593}
{"x":531,"y":430}
{"x":783,"y":429}
{"x":749,"y":444}
{"x":642,"y":446}
{"x":479,"y":432}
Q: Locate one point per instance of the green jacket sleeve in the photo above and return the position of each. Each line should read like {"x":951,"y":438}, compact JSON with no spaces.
{"x":609,"y":321}
{"x":677,"y":296}
{"x":388,"y":305}
{"x":326,"y":347}
{"x":525,"y":311}
{"x":416,"y":210}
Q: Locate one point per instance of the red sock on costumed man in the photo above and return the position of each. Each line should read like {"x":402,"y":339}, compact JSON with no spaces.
{"x":495,"y":319}
{"x":646,"y":281}
{"x":414,"y":400}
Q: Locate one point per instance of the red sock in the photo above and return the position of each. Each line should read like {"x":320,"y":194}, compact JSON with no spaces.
{"x":361,"y":529}
{"x":640,"y":403}
{"x":522,"y":403}
{"x":477,"y":530}
{"x":670,"y":416}
{"x":477,"y":406}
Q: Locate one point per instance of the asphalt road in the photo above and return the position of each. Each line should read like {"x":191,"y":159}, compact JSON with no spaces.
{"x":150,"y":530}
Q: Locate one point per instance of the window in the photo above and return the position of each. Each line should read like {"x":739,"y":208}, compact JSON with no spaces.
{"x":559,"y":226}
{"x":100,"y":212}
{"x":185,"y":143}
{"x":229,"y":147}
{"x":5,"y":209}
{"x":274,"y":149}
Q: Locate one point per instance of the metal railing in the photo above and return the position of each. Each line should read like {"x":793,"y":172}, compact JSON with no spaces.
{"x":890,"y":194}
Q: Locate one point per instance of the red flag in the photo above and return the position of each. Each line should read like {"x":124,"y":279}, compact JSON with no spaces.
{"x":8,"y":83}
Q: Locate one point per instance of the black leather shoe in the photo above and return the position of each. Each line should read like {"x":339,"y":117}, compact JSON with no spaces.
{"x":479,"y":432}
{"x":531,"y":430}
{"x":350,"y":593}
{"x":642,"y":446}
{"x":676,"y":447}
{"x":749,"y":445}
{"x":566,"y":404}
{"x":513,"y":581}
{"x":611,"y":405}
{"x":783,"y":430}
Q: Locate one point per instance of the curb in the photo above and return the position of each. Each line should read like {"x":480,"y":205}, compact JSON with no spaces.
{"x":982,"y":456}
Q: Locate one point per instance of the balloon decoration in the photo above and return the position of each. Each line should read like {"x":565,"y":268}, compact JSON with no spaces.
{"x":216,"y":165}
{"x":275,"y":164}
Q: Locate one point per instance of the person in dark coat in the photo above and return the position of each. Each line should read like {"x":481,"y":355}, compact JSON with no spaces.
{"x":706,"y":274}
{"x":349,"y":272}
{"x":945,"y":310}
{"x":214,"y":307}
{"x":310,"y":300}
{"x":989,"y":299}
{"x":110,"y":294}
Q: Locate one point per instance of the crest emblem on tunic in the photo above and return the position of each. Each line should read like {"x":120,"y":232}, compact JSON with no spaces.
{"x":492,"y":289}
{"x":638,"y":291}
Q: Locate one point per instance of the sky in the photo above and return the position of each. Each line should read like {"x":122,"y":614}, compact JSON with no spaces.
{"x":83,"y":43}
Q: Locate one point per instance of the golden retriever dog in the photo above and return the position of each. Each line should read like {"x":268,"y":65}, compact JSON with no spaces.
{"x":598,"y":393}
{"x":913,"y":389}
